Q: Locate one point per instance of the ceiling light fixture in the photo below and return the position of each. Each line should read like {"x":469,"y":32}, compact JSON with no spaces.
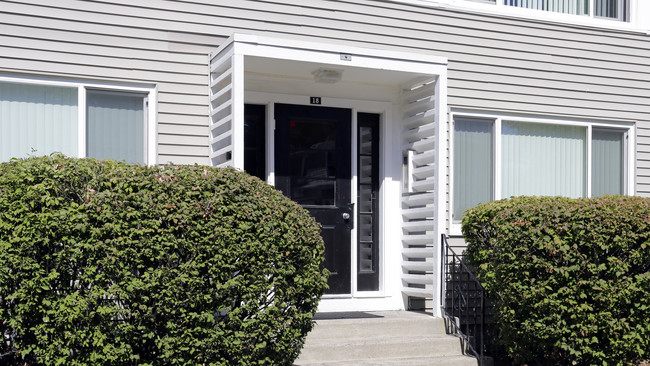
{"x":327,"y":76}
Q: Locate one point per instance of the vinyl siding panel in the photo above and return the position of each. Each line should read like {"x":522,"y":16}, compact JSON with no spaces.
{"x":496,"y":63}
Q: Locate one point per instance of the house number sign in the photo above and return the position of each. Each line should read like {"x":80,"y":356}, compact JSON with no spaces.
{"x":314,"y":100}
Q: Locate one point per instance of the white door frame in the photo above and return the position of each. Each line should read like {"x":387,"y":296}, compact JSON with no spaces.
{"x":356,"y":299}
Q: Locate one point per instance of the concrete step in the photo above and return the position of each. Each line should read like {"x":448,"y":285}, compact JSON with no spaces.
{"x":389,"y":323}
{"x":381,"y":338}
{"x":409,"y":361}
{"x":379,"y":349}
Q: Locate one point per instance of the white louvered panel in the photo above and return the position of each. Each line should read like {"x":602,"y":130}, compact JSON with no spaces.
{"x":219,"y":78}
{"x":223,"y":136}
{"x":421,"y":145}
{"x":419,"y":119}
{"x":221,"y":61}
{"x":417,"y":213}
{"x":418,"y":292}
{"x":221,"y":111}
{"x":417,"y":239}
{"x":424,"y":185}
{"x":221,"y":143}
{"x":418,"y":266}
{"x":418,"y":252}
{"x":424,"y":171}
{"x":418,"y":144}
{"x":222,"y":94}
{"x":427,"y":157}
{"x":419,"y":132}
{"x":419,"y":105}
{"x":221,"y":125}
{"x":418,"y":279}
{"x":418,"y":199}
{"x":220,"y":152}
{"x":419,"y":91}
{"x":417,"y":225}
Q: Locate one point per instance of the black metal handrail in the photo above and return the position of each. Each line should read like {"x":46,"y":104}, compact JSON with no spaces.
{"x":464,"y":298}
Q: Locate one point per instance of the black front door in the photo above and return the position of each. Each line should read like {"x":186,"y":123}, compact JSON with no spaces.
{"x":312,"y":164}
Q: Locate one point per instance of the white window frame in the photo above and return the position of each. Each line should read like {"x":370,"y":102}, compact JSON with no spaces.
{"x":628,"y":129}
{"x":638,"y":13}
{"x":150,"y":93}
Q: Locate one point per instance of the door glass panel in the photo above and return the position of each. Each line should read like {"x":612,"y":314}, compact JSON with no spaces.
{"x":365,"y":228}
{"x":365,"y":140}
{"x":365,"y":257}
{"x":255,"y":140}
{"x":368,"y":186}
{"x":365,"y":199}
{"x":312,"y":161}
{"x":365,"y":169}
{"x":307,"y":191}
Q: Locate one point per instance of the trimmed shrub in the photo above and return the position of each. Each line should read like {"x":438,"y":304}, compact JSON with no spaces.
{"x":103,"y":263}
{"x":570,"y":277}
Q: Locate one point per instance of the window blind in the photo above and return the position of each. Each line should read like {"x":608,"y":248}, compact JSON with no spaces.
{"x":115,"y":126}
{"x":37,"y":120}
{"x":473,"y":166}
{"x":607,"y":162}
{"x":543,"y":160}
{"x":615,"y":9}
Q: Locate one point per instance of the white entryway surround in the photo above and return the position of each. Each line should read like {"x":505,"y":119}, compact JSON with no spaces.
{"x":408,"y":90}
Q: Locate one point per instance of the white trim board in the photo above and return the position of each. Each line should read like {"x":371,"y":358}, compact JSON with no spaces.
{"x":295,"y":50}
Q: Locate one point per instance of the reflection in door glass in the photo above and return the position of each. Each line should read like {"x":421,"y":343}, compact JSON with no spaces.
{"x":312,"y":161}
{"x":255,"y":140}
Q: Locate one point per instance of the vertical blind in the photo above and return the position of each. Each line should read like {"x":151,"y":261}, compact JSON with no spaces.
{"x":607,"y":162}
{"x":115,"y":126}
{"x":580,"y":7}
{"x":473,"y":164}
{"x":37,"y":120}
{"x":543,"y":160}
{"x":610,"y":8}
{"x":602,"y":8}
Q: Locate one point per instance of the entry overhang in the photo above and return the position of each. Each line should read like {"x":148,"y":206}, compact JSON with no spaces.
{"x":420,"y":80}
{"x":244,"y":54}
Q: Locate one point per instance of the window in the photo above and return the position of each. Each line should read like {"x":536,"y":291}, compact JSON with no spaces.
{"x":495,"y":157}
{"x":608,"y":9}
{"x":40,"y":118}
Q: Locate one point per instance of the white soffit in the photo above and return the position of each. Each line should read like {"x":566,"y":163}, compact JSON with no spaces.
{"x":273,"y":57}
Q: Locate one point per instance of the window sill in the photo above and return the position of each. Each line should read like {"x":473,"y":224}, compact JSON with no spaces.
{"x":455,"y":229}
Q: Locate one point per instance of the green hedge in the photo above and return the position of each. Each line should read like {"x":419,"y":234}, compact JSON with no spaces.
{"x":570,"y":277}
{"x":103,"y":263}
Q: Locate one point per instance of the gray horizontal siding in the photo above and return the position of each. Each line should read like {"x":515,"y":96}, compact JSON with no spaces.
{"x":495,"y":63}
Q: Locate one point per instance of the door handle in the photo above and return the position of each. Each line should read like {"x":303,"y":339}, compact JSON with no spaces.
{"x":346,"y":216}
